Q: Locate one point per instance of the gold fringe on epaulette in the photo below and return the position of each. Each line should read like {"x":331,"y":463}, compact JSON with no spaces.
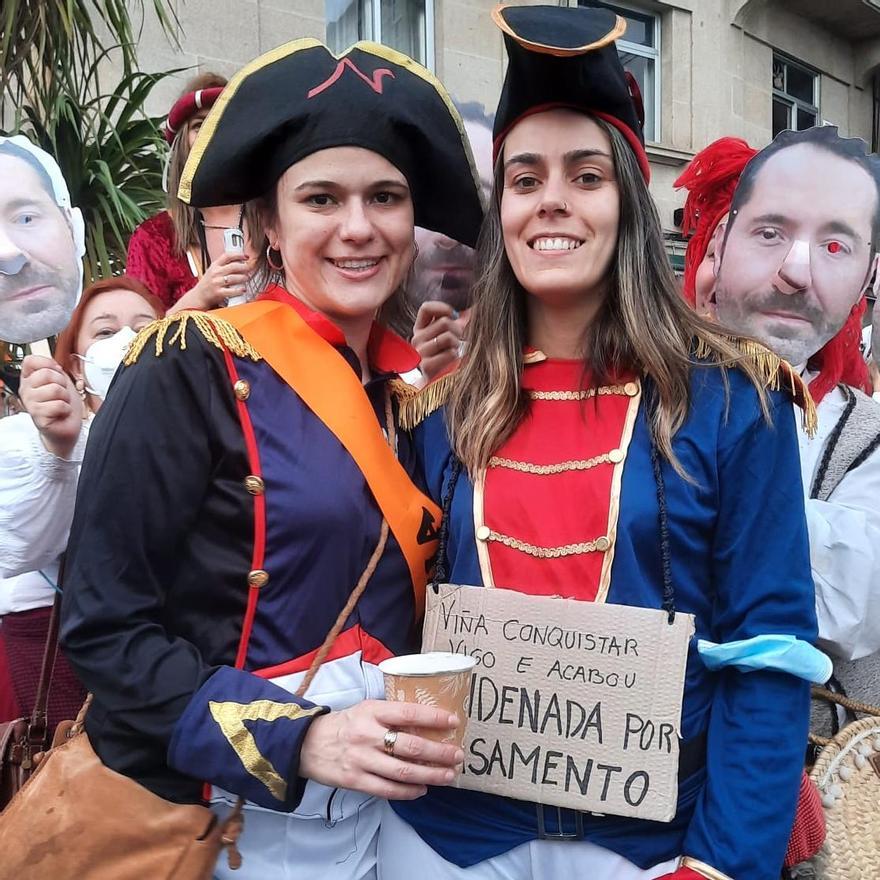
{"x":416,"y":404}
{"x":220,"y":333}
{"x":776,"y":374}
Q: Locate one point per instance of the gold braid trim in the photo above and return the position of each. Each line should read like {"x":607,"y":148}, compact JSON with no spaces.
{"x":776,"y":374}
{"x":543,"y":470}
{"x":600,"y":544}
{"x":417,"y":404}
{"x":219,"y":332}
{"x":703,"y":869}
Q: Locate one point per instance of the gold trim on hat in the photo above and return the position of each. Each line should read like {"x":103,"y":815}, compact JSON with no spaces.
{"x":422,"y":72}
{"x":615,"y":33}
{"x":212,"y":121}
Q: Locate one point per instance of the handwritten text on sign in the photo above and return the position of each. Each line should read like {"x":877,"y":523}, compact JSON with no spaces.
{"x":572,"y":704}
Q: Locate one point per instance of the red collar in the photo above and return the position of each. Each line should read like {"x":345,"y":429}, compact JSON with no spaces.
{"x":387,"y":352}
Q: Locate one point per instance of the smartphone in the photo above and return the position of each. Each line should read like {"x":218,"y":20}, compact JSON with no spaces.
{"x":233,"y":243}
{"x":233,"y":240}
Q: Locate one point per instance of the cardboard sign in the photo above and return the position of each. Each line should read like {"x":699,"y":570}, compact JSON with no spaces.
{"x":572,"y":704}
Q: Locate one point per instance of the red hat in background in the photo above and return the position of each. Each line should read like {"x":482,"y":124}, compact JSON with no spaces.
{"x":187,"y":106}
{"x":711,"y":180}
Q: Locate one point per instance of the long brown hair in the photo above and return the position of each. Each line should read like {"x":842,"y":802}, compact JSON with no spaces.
{"x":643,"y":325}
{"x":184,"y":219}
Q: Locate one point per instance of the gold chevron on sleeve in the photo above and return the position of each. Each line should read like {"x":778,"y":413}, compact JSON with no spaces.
{"x":231,"y":717}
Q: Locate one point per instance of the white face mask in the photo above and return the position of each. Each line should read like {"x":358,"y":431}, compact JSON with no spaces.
{"x":102,"y":360}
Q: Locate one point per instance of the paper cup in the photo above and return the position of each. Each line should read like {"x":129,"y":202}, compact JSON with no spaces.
{"x":434,"y":679}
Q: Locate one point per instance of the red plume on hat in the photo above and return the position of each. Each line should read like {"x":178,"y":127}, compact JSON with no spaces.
{"x":840,"y":359}
{"x":710,"y":180}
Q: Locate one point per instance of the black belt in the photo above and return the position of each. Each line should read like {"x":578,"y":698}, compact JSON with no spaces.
{"x":691,"y":758}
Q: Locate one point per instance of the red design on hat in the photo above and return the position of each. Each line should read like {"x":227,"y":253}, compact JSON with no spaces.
{"x":374,"y":82}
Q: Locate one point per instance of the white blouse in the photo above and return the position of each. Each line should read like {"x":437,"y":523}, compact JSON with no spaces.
{"x":37,"y":496}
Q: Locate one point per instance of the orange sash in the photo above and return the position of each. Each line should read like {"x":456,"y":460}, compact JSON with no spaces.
{"x":333,"y":392}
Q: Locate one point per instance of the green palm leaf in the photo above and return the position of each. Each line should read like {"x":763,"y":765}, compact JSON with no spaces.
{"x":110,"y":152}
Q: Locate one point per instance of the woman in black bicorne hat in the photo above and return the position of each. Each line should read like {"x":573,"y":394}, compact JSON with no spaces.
{"x":601,"y":442}
{"x":246,"y":492}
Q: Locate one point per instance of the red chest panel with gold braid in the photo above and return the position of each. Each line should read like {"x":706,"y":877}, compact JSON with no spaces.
{"x":546,"y":509}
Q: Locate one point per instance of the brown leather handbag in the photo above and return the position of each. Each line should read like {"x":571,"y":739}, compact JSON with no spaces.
{"x":76,"y":818}
{"x":21,"y":740}
{"x":64,"y":814}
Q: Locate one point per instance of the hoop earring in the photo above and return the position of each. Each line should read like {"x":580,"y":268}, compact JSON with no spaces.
{"x":272,"y":266}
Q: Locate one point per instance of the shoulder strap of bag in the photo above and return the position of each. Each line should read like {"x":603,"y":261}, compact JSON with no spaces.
{"x":357,"y":592}
{"x":38,"y":725}
{"x":233,"y":823}
{"x":851,"y":706}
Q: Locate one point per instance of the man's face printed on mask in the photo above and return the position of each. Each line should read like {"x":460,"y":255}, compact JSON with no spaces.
{"x":798,"y":252}
{"x":39,"y":271}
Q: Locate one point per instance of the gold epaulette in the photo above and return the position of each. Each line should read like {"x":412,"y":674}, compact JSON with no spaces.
{"x":218,"y":332}
{"x":776,"y":373}
{"x":416,"y":404}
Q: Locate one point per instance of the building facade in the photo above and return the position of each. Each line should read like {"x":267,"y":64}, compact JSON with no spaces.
{"x":707,"y":68}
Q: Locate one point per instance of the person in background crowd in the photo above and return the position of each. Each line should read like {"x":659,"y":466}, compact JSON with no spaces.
{"x":180,"y":253}
{"x":592,"y":446}
{"x":42,"y":241}
{"x":793,"y":262}
{"x":443,"y":275}
{"x":271,"y":469}
{"x":43,"y":448}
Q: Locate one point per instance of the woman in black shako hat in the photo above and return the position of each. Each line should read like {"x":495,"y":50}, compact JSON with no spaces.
{"x":602,"y":443}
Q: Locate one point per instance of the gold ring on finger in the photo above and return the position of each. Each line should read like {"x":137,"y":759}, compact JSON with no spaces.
{"x":389,"y":741}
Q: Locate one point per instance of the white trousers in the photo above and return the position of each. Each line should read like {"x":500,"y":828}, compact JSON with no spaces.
{"x":292,"y":846}
{"x":403,"y":855}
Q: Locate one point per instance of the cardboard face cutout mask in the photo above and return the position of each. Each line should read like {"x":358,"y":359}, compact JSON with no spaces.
{"x":42,"y":242}
{"x":800,"y":244}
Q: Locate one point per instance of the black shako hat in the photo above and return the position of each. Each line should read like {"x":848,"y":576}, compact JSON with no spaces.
{"x":562,"y":56}
{"x":301,"y":98}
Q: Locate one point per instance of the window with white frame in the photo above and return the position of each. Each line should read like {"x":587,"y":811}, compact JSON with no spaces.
{"x":795,"y":95}
{"x":405,"y":25}
{"x":639,"y":50}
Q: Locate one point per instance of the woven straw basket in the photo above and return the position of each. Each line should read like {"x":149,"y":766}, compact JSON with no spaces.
{"x":847,"y":774}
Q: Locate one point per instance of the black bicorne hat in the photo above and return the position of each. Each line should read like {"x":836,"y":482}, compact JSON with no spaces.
{"x":301,"y":98}
{"x":563,"y":56}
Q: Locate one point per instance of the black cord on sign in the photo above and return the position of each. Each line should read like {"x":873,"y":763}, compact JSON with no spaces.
{"x":665,"y":556}
{"x":440,"y":572}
